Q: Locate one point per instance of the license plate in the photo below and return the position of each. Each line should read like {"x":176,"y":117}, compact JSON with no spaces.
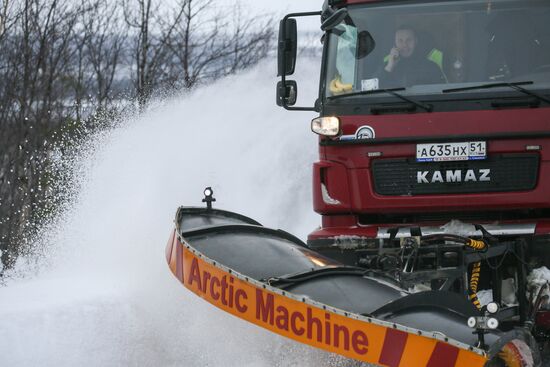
{"x":467,"y":151}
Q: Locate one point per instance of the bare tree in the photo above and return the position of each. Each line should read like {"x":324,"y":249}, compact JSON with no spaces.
{"x":63,"y":64}
{"x":8,"y":17}
{"x":100,"y":50}
{"x":105,"y":47}
{"x":36,"y":68}
{"x":154,"y":26}
{"x":211,"y":45}
{"x":250,"y":40}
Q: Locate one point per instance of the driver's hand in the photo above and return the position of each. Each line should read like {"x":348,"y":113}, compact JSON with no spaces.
{"x":394,"y":59}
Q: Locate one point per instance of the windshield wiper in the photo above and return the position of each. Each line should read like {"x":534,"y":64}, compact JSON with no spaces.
{"x":515,"y":85}
{"x":392,"y":91}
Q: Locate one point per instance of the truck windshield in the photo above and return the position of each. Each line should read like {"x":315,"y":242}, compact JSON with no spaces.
{"x":428,"y":47}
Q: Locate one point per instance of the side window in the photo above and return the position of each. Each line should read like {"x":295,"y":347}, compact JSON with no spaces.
{"x":347,"y":49}
{"x":343,"y":77}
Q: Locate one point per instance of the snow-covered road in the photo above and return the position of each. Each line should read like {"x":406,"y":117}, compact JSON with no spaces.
{"x":107,"y":297}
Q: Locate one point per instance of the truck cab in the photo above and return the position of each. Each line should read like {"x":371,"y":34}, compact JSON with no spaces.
{"x":471,"y":145}
{"x":434,"y":122}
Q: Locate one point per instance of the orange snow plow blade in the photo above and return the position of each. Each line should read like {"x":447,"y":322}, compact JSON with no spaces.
{"x":308,"y":321}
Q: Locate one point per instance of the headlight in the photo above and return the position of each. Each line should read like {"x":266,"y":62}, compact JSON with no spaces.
{"x":492,"y":307}
{"x":492,"y":323}
{"x":326,"y":126}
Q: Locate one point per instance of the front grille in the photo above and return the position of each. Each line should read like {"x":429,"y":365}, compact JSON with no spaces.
{"x":497,"y":173}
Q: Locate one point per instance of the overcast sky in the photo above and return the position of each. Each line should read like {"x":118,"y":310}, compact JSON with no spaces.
{"x":284,"y":6}
{"x":279,"y":6}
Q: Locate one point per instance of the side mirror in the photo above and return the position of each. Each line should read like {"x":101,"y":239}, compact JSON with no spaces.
{"x":365,"y":44}
{"x":288,"y":36}
{"x":287,"y":93}
{"x":334,"y":19}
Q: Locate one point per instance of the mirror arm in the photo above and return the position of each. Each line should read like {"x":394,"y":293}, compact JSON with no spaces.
{"x":283,"y":76}
{"x":306,"y":14}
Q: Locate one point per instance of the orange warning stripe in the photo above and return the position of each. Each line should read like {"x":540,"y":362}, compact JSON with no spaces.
{"x":310,"y":322}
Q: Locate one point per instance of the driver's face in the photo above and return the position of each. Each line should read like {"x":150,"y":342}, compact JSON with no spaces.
{"x":405,"y":41}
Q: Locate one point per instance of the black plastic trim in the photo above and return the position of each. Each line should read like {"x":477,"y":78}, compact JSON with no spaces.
{"x":438,"y":138}
{"x":243,"y":228}
{"x":202,"y":211}
{"x":463,"y":101}
{"x":509,"y":173}
{"x":431,"y":299}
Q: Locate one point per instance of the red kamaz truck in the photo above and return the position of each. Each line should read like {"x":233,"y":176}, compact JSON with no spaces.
{"x":433,"y":183}
{"x":434,"y":125}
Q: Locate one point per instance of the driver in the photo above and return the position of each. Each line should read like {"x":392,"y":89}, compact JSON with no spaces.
{"x":405,"y":65}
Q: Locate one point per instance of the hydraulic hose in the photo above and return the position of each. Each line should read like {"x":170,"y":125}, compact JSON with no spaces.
{"x":474,"y":282}
{"x":476,"y":245}
{"x":476,"y":271}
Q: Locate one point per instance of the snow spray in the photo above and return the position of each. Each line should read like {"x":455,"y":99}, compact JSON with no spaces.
{"x":107,"y":297}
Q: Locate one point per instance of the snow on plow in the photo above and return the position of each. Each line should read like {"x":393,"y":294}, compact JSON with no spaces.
{"x":271,"y":279}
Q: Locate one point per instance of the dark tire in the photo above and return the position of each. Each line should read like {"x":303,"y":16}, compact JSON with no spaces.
{"x":519,"y":350}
